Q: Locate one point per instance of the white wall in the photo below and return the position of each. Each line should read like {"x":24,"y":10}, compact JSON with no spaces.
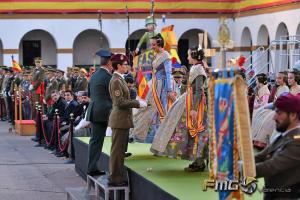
{"x":86,"y":45}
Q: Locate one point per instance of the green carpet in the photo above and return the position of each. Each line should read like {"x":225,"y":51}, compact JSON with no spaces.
{"x":168,"y":173}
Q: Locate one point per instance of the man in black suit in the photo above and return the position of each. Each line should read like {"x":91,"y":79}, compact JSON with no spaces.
{"x":99,"y":109}
{"x":71,"y":105}
{"x":60,"y":104}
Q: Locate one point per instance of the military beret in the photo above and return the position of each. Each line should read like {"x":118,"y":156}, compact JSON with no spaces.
{"x":104,"y":53}
{"x":50,"y":69}
{"x":288,"y":102}
{"x":119,"y":58}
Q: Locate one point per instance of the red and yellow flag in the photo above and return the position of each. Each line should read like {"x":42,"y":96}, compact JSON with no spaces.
{"x":143,"y":87}
{"x":15,"y":66}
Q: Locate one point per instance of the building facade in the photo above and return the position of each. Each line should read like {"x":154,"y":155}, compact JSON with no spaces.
{"x":71,"y":39}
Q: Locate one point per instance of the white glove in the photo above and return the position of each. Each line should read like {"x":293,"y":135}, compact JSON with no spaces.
{"x":30,"y":87}
{"x":143,"y":104}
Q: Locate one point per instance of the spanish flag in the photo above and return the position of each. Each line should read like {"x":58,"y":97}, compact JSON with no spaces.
{"x":142,"y":83}
{"x":15,"y":66}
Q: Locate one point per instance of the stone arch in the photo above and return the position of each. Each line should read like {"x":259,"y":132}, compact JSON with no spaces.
{"x":38,"y":43}
{"x":263,"y":40}
{"x":246,"y":44}
{"x":187,"y":40}
{"x":86,"y":44}
{"x":281,"y":61}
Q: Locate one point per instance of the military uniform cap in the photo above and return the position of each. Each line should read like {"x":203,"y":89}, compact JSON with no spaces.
{"x":38,"y":58}
{"x":119,"y":58}
{"x":177,"y":74}
{"x":26,"y":73}
{"x":75,"y":69}
{"x":104,"y":53}
{"x":62,"y":71}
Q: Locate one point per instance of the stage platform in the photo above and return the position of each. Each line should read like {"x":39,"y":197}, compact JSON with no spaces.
{"x":167,"y":180}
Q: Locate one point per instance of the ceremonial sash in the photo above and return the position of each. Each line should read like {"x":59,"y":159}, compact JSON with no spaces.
{"x":157,"y":101}
{"x":194,"y":129}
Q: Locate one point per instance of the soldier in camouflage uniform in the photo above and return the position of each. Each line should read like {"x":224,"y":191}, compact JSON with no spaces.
{"x":51,"y":86}
{"x":37,"y":85}
{"x":61,"y":80}
{"x":81,"y":82}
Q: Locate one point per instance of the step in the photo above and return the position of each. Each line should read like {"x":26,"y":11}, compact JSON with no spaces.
{"x":80,"y":193}
{"x":101,"y":182}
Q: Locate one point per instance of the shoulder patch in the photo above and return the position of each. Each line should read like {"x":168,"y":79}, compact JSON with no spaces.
{"x":117,"y":93}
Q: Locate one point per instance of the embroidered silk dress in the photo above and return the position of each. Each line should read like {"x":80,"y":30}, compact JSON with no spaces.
{"x":173,"y":137}
{"x":147,"y":120}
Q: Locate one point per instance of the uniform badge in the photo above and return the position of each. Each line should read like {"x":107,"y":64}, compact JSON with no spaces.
{"x":117,"y":93}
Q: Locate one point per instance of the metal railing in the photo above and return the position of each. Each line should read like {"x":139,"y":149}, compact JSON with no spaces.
{"x":288,"y":47}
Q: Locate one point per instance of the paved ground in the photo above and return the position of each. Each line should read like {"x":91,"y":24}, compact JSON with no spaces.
{"x":31,"y":173}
